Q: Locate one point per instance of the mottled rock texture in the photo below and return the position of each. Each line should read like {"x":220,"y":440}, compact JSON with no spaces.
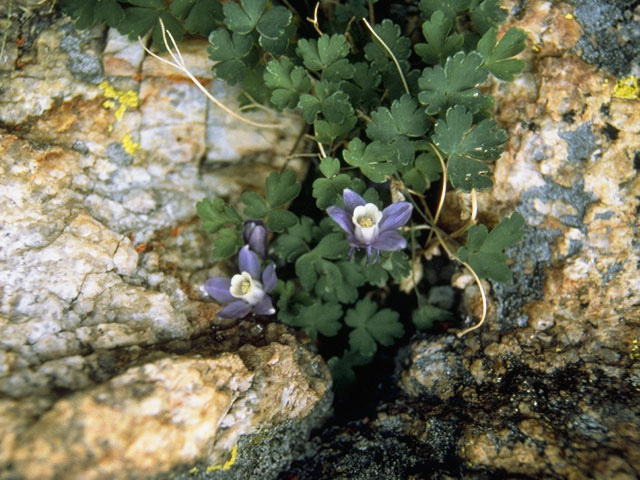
{"x":549,"y":387}
{"x":112,"y":362}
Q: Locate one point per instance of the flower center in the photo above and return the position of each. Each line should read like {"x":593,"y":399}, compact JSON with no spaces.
{"x":243,"y":286}
{"x":365,"y":222}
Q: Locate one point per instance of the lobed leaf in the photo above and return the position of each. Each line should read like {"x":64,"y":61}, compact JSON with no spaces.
{"x":372,"y":159}
{"x":468,"y":147}
{"x":440,"y":44}
{"x":454,"y":84}
{"x":281,"y":188}
{"x":497,"y":58}
{"x":484,"y":250}
{"x":216,"y":214}
{"x":487,"y":14}
{"x":371,"y":326}
{"x":425,"y":316}
{"x":227,"y":243}
{"x":288,"y":82}
{"x":243,"y":18}
{"x":327,"y":55}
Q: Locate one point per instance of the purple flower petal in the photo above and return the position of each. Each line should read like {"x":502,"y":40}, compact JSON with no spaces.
{"x":237,"y":309}
{"x":218,"y":288}
{"x":248,"y":261}
{"x":390,"y":240}
{"x":395,"y":215}
{"x":269,"y":278}
{"x":351,"y":200}
{"x":354,"y":242}
{"x":265,"y":307}
{"x":342,"y":218}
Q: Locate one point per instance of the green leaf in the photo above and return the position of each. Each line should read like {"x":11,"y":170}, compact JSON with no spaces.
{"x":372,"y":159}
{"x":342,"y":368}
{"x":449,"y":7}
{"x":278,"y":46}
{"x":310,"y":265}
{"x":216,"y":214}
{"x":319,"y":317}
{"x":289,"y":246}
{"x":274,"y":23}
{"x":243,"y":18}
{"x":327,"y":191}
{"x":425,"y":316}
{"x":327,"y":55}
{"x":279,"y":220}
{"x":228,"y":51}
{"x":404,"y":118}
{"x":497,"y":58}
{"x":361,"y":88}
{"x":256,"y":207}
{"x":393,"y":38}
{"x":468,"y":147}
{"x":429,"y":165}
{"x":329,"y":166}
{"x":371,"y":326}
{"x":375,"y":274}
{"x":455,"y":84}
{"x":288,"y":82}
{"x":200,"y":16}
{"x":332,"y":246}
{"x":483,"y":251}
{"x":227,"y":243}
{"x":397,"y":264}
{"x":327,"y":132}
{"x":109,"y":12}
{"x":138,"y":21}
{"x":440,"y":44}
{"x":487,"y":14}
{"x":147,"y":3}
{"x":334,"y":105}
{"x":282,"y":188}
{"x":172,"y":24}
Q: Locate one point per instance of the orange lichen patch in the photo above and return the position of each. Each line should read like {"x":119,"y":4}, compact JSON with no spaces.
{"x":141,"y":248}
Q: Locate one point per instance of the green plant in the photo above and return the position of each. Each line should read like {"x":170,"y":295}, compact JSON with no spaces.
{"x":394,"y":124}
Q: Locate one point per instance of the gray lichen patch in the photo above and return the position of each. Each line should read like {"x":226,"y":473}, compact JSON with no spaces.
{"x":580,"y":143}
{"x":611,"y":34}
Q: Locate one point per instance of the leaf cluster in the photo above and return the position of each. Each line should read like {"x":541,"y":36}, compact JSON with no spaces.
{"x":136,"y":18}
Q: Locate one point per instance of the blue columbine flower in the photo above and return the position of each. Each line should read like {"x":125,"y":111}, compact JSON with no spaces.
{"x":244,"y":292}
{"x":368,"y":227}
{"x":255,"y":235}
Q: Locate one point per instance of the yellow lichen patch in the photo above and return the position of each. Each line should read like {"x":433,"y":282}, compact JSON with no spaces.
{"x":123,"y":98}
{"x":627,"y":88}
{"x":194,"y":470}
{"x":129,"y":145}
{"x":120,"y":111}
{"x":228,"y":464}
{"x":568,"y":16}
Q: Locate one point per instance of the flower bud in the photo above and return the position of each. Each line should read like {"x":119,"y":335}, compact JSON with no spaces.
{"x":255,"y":235}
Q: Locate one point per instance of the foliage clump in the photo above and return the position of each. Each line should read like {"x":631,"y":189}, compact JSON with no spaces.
{"x":393,"y":120}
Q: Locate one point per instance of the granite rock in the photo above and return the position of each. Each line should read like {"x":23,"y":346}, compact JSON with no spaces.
{"x":112,"y":361}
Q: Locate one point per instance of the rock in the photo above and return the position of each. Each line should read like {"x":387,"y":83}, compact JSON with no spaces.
{"x":112,"y":361}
